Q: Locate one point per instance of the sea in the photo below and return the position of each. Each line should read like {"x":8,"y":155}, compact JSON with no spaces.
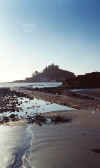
{"x":33,"y":85}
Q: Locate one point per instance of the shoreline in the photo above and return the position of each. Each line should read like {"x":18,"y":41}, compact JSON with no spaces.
{"x":76,"y":100}
{"x":79,"y":104}
{"x":71,"y":139}
{"x":79,"y":119}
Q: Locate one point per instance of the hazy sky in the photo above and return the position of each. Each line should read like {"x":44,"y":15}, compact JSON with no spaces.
{"x":35,"y":33}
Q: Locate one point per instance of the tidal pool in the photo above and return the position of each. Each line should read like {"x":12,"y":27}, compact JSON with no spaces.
{"x":31,"y":107}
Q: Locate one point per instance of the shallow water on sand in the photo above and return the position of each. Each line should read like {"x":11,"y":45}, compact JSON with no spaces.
{"x":50,"y":146}
{"x":53,"y":146}
{"x":15,"y":143}
{"x":31,"y":107}
{"x":62,"y":146}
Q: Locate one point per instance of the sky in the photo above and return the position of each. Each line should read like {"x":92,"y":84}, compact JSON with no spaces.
{"x":36,"y":33}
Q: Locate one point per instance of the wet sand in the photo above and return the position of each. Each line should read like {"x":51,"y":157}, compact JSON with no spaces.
{"x":75,"y":144}
{"x":12,"y":145}
{"x":67,"y":145}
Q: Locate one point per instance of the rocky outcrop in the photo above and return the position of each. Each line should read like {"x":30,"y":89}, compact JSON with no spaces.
{"x":52,"y":73}
{"x":89,"y":80}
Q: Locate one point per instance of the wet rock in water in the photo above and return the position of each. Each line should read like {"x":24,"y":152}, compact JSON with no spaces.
{"x":96,"y":150}
{"x":8,"y":101}
{"x":5,"y":119}
{"x":1,"y":120}
{"x":30,"y":119}
{"x":60,"y":119}
{"x":13,"y":117}
{"x":39,"y":119}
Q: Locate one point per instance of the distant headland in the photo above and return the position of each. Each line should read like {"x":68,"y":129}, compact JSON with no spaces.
{"x":52,"y":73}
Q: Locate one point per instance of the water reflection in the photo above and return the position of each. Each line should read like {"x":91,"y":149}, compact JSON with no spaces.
{"x":31,"y":107}
{"x":14,"y":144}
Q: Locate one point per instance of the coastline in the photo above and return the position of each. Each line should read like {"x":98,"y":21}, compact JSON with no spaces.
{"x":79,"y":104}
{"x":56,"y":144}
{"x":76,"y":100}
{"x":79,"y":118}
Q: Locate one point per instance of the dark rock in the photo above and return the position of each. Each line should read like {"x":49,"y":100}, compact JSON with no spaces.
{"x":96,"y":150}
{"x":60,"y":119}
{"x":5,"y":119}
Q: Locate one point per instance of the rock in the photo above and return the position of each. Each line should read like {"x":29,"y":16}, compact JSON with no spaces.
{"x":5,"y":119}
{"x":60,"y":119}
{"x":13,"y":117}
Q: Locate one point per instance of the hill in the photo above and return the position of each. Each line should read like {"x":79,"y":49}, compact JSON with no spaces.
{"x":89,"y":80}
{"x":51,"y":73}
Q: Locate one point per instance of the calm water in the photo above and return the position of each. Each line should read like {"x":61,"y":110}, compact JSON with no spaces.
{"x":30,"y":107}
{"x":92,"y":89}
{"x":33,"y":85}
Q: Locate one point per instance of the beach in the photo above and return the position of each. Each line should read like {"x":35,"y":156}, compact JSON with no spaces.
{"x":49,"y":84}
{"x":85,"y":99}
{"x":56,"y":138}
{"x":70,"y":145}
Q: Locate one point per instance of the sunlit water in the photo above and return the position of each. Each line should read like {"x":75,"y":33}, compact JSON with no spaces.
{"x":14,"y":146}
{"x":88,"y":89}
{"x":31,"y":107}
{"x":41,"y":106}
{"x":33,"y":84}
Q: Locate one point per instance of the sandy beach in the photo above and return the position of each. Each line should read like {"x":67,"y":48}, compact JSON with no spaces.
{"x":73,"y":144}
{"x":63,"y":145}
{"x":49,"y":84}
